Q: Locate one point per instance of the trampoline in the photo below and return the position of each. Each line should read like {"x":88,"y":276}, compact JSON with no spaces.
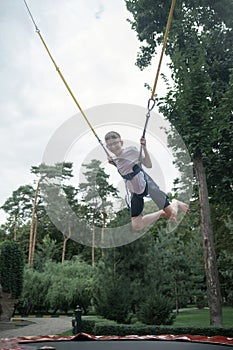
{"x":84,"y":341}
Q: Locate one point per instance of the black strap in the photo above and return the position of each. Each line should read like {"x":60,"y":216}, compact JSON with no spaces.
{"x":130,"y":176}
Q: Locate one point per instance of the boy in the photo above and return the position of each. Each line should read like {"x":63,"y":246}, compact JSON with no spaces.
{"x":139,"y":183}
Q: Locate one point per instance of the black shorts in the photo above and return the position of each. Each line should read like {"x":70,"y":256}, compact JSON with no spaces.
{"x":137,"y":202}
{"x":159,"y":197}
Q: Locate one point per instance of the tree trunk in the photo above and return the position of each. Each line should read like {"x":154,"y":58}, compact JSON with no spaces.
{"x":32,"y":228}
{"x":93,"y":244}
{"x":213,"y":287}
{"x":34,"y":242}
{"x":177,"y":298}
{"x":31,"y":236}
{"x":66,"y":238}
{"x":104,"y":215}
{"x":64,"y":249}
{"x":15,"y":227}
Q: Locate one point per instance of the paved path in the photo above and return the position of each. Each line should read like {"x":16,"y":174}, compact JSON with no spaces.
{"x":40,"y":326}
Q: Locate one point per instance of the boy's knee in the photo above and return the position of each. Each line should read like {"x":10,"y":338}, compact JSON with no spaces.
{"x":137,"y":224}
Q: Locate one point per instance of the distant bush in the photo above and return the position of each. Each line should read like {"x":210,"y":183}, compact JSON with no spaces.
{"x":200,"y":302}
{"x":156,"y":310}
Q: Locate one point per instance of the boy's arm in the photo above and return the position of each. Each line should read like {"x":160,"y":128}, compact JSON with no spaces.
{"x":146,"y":159}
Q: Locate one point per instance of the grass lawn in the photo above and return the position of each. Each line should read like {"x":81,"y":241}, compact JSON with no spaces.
{"x":201,"y":318}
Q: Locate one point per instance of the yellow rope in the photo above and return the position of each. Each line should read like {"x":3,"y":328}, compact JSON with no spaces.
{"x":69,"y":89}
{"x":66,"y":84}
{"x":163,"y":47}
{"x":63,"y":79}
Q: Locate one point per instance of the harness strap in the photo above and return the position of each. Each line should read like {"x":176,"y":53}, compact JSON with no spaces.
{"x":130,"y":176}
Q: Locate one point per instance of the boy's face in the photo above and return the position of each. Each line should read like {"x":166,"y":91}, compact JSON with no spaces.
{"x":115,"y":146}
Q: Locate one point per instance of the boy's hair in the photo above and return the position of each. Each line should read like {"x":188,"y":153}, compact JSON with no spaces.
{"x":112,"y":135}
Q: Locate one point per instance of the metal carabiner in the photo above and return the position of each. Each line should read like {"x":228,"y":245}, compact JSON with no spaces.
{"x":151,"y":104}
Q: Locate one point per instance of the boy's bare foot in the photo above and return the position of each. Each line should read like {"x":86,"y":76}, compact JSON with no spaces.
{"x":183,"y":206}
{"x":173,"y":219}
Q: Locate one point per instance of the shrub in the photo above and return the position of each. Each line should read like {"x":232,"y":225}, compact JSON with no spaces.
{"x":112,"y":300}
{"x":230,"y":299}
{"x":200,"y":302}
{"x":156,"y":310}
{"x":11,"y":268}
{"x":122,"y":330}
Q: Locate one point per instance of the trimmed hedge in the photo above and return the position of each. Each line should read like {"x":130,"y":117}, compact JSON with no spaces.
{"x":99,"y":328}
{"x":88,"y":326}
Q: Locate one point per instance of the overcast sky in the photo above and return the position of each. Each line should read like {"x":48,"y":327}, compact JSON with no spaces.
{"x":95,"y":49}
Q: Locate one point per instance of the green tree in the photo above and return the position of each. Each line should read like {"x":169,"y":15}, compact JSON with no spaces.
{"x":122,"y":271}
{"x":48,"y":175}
{"x":97,"y":193}
{"x":112,"y":297}
{"x":58,"y":286}
{"x":11,"y":268}
{"x":156,"y":310}
{"x":192,"y":104}
{"x":11,"y":274}
{"x":18,"y":207}
{"x":225,"y":261}
{"x":70,"y":193}
{"x":201,"y":75}
{"x":46,"y":250}
{"x":35,"y":288}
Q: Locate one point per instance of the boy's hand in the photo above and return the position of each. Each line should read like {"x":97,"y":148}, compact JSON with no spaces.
{"x":143,"y":142}
{"x":111,"y":161}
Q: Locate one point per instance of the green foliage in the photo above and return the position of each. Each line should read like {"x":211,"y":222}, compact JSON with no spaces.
{"x":190,"y":321}
{"x":71,"y":285}
{"x":122,"y":330}
{"x":157,"y":310}
{"x":150,"y":18}
{"x":225,"y":261}
{"x":169,"y":265}
{"x":111,"y":295}
{"x":198,"y":104}
{"x":121,"y":271}
{"x":35,"y":289}
{"x":200,"y":301}
{"x":46,"y":250}
{"x":58,"y":171}
{"x":18,"y":208}
{"x":58,"y":287}
{"x":11,"y":268}
{"x":96,"y":191}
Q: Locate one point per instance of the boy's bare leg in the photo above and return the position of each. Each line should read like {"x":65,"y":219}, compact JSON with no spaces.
{"x":140,"y":222}
{"x":170,"y":212}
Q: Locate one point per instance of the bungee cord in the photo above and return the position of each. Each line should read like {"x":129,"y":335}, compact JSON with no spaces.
{"x":151,"y":101}
{"x":64,"y":80}
{"x":169,"y":21}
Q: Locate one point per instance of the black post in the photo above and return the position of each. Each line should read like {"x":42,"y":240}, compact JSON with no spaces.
{"x":77,"y":321}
